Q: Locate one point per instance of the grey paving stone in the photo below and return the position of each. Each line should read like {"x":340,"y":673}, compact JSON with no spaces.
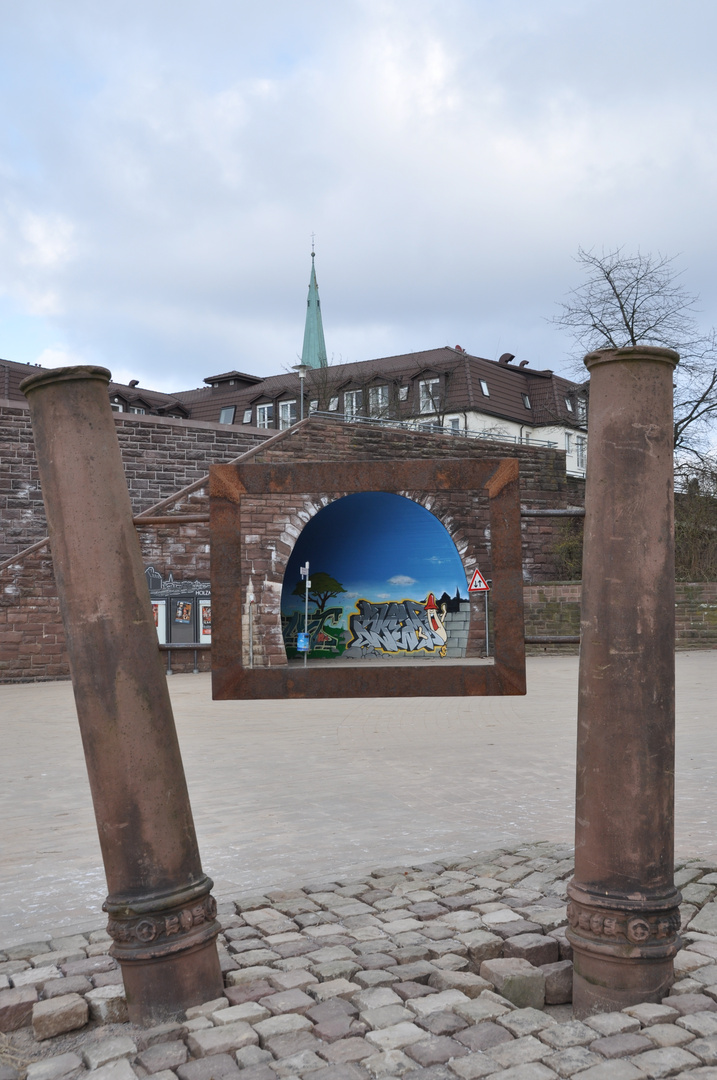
{"x":116,"y":1070}
{"x":441,"y":1023}
{"x":167,"y":1032}
{"x":216,"y":1067}
{"x":436,"y":1050}
{"x":517,"y":980}
{"x":665,"y":1061}
{"x":102,"y":1053}
{"x":469,"y":984}
{"x":702,"y":1023}
{"x":612,"y":1023}
{"x":482,"y":1037}
{"x":333,"y":988}
{"x":251,"y":991}
{"x":107,"y":1004}
{"x":352,"y":1049}
{"x":258,"y":1072}
{"x":525,"y":1021}
{"x":475,"y":1066}
{"x":162,"y":1056}
{"x":24,"y":952}
{"x":519,"y":1051}
{"x":386,"y":1016}
{"x":281,"y":1025}
{"x":537,"y":948}
{"x":571,"y":1060}
{"x":651,"y":1013}
{"x":706,"y":919}
{"x":59,"y":1015}
{"x":619,"y":1046}
{"x":350,"y":1071}
{"x":59,"y":987}
{"x":288,"y":1001}
{"x":16,"y":1008}
{"x":667,"y":1035}
{"x":60,"y":1067}
{"x":690,"y":1003}
{"x":252,"y":1055}
{"x":283,"y":1046}
{"x":36,"y":977}
{"x":705,"y":1049}
{"x":558,"y":982}
{"x":533,"y":1070}
{"x":390,"y":1063}
{"x":395,"y":1037}
{"x":304,"y":1062}
{"x":481,"y":1008}
{"x":222,"y":1040}
{"x":439,"y":1002}
{"x":249,"y":1011}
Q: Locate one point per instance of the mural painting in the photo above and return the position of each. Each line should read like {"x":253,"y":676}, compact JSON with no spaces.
{"x":365,"y":551}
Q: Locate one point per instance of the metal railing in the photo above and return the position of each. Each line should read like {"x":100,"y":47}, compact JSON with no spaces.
{"x":182,"y":646}
{"x":431,"y":428}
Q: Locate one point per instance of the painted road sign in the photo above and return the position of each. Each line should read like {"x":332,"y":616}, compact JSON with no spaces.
{"x":478,"y":583}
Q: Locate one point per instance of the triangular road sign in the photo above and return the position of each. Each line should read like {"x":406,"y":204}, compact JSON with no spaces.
{"x":478,"y":583}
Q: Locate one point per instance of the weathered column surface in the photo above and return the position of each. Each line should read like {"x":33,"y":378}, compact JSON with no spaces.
{"x":623,"y":904}
{"x":161,"y":913}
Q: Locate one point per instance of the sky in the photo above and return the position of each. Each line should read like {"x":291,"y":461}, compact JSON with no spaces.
{"x":379,"y":547}
{"x":164,"y":164}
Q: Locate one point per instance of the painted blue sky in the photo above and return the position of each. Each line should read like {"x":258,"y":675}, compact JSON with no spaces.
{"x":163,"y":164}
{"x":379,"y":546}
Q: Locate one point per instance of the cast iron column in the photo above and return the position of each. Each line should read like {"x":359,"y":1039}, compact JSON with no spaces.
{"x":623,"y":904}
{"x":161,"y":913}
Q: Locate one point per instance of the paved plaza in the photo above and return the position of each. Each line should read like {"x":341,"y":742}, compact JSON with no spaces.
{"x":287,"y":792}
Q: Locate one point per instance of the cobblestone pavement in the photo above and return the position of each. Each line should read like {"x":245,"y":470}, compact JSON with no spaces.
{"x":452,"y":969}
{"x":287,"y":791}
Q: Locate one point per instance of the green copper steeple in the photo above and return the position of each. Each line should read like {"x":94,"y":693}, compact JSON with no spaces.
{"x":313,"y":354}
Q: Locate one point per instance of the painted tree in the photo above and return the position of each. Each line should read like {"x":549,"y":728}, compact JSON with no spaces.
{"x":323,"y":588}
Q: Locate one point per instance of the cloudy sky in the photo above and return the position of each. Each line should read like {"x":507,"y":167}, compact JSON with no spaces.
{"x":163,"y":164}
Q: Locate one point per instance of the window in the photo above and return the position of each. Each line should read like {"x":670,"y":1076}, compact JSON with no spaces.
{"x":484,"y":388}
{"x":454,"y":424}
{"x":313,"y":406}
{"x":353,"y":403}
{"x":116,"y":405}
{"x":581,"y":450}
{"x":226,"y":416}
{"x":378,"y":400}
{"x":582,"y":410}
{"x":287,"y":414}
{"x":568,"y":443}
{"x":264,"y":416}
{"x":333,"y":404}
{"x":403,"y":393}
{"x":137,"y":409}
{"x":429,"y":395}
{"x":526,"y":400}
{"x":247,"y":416}
{"x":568,"y":404}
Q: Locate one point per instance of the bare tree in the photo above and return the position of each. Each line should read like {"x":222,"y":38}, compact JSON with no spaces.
{"x":640,"y":300}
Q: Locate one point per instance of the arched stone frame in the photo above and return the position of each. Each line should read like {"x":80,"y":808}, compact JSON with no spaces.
{"x":257,"y":514}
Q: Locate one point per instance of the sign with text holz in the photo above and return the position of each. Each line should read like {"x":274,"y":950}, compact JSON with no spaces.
{"x":253,"y":501}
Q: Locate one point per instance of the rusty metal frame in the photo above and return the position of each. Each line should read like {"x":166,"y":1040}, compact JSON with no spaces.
{"x":498,"y":479}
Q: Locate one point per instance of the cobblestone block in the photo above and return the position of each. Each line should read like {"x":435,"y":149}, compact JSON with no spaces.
{"x":475,"y":1067}
{"x":522,"y":1022}
{"x":216,"y":1067}
{"x":480,"y":1008}
{"x":623,"y":1045}
{"x":221,"y":1040}
{"x":245,"y":976}
{"x":354,"y":1049}
{"x":441,"y":1023}
{"x":389,"y":1063}
{"x":666,"y":1061}
{"x":396,"y":1036}
{"x":163,"y":1056}
{"x":386,"y":1016}
{"x":613,"y":1070}
{"x":60,"y":1067}
{"x":706,"y":920}
{"x":24,"y":952}
{"x":558,"y":982}
{"x":436,"y":1050}
{"x":518,"y":1052}
{"x":538,"y":949}
{"x":482,"y":945}
{"x":705,"y":1049}
{"x":16,"y":1007}
{"x":469,"y":984}
{"x":59,"y":987}
{"x":102,"y":1053}
{"x":612,"y":1023}
{"x":702,"y":1023}
{"x":304,"y":1062}
{"x":690,"y":1003}
{"x":36,"y":977}
{"x":58,"y":1015}
{"x":116,"y":1070}
{"x":571,"y":1060}
{"x":285,"y":1045}
{"x":90,"y":966}
{"x":281,"y":1025}
{"x":517,"y":980}
{"x":108,"y":1004}
{"x":252,"y":991}
{"x":292,"y":980}
{"x":667,"y":1035}
{"x":483,"y":1036}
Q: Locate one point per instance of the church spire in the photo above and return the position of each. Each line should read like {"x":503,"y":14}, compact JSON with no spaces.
{"x":313,"y":354}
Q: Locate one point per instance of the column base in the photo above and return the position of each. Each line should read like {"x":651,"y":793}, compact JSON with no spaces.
{"x":165,"y":987}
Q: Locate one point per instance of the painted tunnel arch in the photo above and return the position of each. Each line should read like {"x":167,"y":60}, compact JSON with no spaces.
{"x":387,"y":581}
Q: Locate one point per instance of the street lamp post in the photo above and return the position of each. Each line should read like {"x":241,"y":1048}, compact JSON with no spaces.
{"x":301,"y":369}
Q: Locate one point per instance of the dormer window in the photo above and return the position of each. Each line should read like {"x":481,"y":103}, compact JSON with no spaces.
{"x":353,"y":403}
{"x":247,"y":416}
{"x":137,"y":409}
{"x":429,"y":395}
{"x":526,"y":401}
{"x":378,"y":400}
{"x":568,"y":404}
{"x":116,"y":404}
{"x":484,"y":388}
{"x":582,"y":410}
{"x":403,"y":393}
{"x":226,"y":416}
{"x":265,"y":416}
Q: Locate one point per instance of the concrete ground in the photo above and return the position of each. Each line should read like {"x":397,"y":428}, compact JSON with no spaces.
{"x":287,"y":792}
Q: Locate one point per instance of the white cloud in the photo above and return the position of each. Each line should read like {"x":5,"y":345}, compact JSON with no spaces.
{"x":402,"y":579}
{"x":162,"y":168}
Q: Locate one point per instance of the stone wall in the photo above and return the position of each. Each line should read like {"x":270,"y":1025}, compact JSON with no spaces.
{"x":162,"y":456}
{"x":553,"y":608}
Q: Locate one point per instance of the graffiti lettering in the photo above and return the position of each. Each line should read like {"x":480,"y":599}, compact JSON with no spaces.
{"x":398,"y":626}
{"x":318,"y":638}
